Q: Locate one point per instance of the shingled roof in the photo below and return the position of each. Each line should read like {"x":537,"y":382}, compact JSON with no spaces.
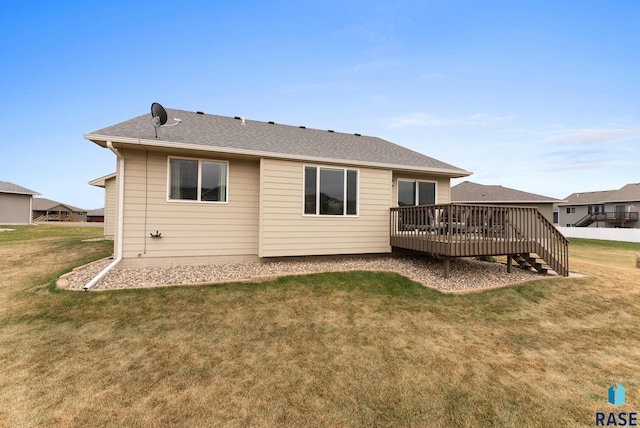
{"x":6,"y":187}
{"x":44,"y":204}
{"x":198,"y":131}
{"x":628,"y":193}
{"x":469,"y":192}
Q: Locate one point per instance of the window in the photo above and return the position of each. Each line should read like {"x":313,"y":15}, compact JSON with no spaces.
{"x":571,"y":210}
{"x":412,"y":193}
{"x":330,"y":191}
{"x":594,"y":209}
{"x":197,"y":180}
{"x":621,"y":212}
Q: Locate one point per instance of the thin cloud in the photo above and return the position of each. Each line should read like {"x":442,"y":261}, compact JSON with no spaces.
{"x":372,"y":65}
{"x":295,"y":88}
{"x":585,"y":137}
{"x":592,"y":158}
{"x":423,"y":119}
{"x":434,"y":76}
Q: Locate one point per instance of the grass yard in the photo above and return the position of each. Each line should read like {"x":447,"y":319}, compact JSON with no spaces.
{"x":340,"y":349}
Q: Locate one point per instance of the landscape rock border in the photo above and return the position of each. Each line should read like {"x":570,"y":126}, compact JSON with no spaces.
{"x":467,"y":274}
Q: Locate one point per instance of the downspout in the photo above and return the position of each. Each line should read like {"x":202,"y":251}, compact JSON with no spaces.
{"x":119,"y":246}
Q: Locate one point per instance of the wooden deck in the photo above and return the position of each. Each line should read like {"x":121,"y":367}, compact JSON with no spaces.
{"x":455,"y":230}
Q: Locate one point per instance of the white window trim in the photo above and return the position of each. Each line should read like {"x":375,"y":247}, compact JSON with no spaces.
{"x":344,"y":169}
{"x":413,"y":180}
{"x":198,"y":201}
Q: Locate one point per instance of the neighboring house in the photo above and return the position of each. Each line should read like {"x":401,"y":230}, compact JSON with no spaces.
{"x":108,"y":183}
{"x":474,"y":193}
{"x":608,"y":208}
{"x":218,"y":189}
{"x":48,"y":210}
{"x":15,"y":203}
{"x":95,"y":216}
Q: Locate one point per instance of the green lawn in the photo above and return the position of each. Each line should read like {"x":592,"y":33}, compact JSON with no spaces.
{"x":338,"y":349}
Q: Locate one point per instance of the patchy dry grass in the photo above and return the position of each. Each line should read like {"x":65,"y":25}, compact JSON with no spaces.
{"x":341,"y":349}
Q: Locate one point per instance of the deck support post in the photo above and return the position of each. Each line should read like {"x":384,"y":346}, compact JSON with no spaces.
{"x":446,"y":264}
{"x":509,"y":258}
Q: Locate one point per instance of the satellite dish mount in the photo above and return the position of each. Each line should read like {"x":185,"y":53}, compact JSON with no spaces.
{"x":159,"y":117}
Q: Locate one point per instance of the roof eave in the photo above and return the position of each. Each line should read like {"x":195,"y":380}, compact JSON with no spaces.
{"x":145,"y":144}
{"x":19,"y":193}
{"x":616,"y":201}
{"x":101,"y":181}
{"x":549,"y":201}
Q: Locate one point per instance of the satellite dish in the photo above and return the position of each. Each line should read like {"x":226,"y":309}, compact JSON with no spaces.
{"x":159,"y":115}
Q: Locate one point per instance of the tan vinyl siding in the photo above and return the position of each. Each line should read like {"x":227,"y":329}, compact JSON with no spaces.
{"x":443,"y":191}
{"x":285,"y":231}
{"x":15,"y":208}
{"x":190,"y":230}
{"x":110,"y":191}
{"x":546,"y":210}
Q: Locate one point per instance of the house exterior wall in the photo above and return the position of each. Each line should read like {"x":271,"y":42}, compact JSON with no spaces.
{"x":566,"y":219}
{"x":15,"y":208}
{"x":110,"y":198}
{"x":286,"y":231}
{"x":546,"y":210}
{"x":192,"y":232}
{"x":263,"y":217}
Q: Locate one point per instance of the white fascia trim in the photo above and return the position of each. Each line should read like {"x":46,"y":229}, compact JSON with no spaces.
{"x":143,"y":143}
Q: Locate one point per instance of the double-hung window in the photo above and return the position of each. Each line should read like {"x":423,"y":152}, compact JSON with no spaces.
{"x":330,"y":191}
{"x":197,"y":180}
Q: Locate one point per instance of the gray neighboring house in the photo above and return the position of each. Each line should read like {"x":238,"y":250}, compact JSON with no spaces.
{"x":468,"y":192}
{"x":48,"y":210}
{"x":15,"y":203}
{"x":95,"y":216}
{"x":606,"y":209}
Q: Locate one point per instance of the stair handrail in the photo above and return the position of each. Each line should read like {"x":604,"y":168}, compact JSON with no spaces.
{"x":560,"y":247}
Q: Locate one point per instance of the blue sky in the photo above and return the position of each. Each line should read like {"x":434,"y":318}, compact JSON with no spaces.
{"x":541,"y":96}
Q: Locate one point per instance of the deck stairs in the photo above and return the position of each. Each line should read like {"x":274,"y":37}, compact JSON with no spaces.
{"x":528,"y":261}
{"x":587,"y":220}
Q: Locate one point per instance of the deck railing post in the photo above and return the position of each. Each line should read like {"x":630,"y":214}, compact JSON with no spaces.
{"x":450,"y":222}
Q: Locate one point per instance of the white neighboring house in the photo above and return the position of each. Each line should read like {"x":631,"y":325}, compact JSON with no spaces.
{"x":605,"y":209}
{"x":15,"y":203}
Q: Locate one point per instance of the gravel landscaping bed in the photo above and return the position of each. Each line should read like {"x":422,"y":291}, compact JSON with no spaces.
{"x":466,"y":274}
